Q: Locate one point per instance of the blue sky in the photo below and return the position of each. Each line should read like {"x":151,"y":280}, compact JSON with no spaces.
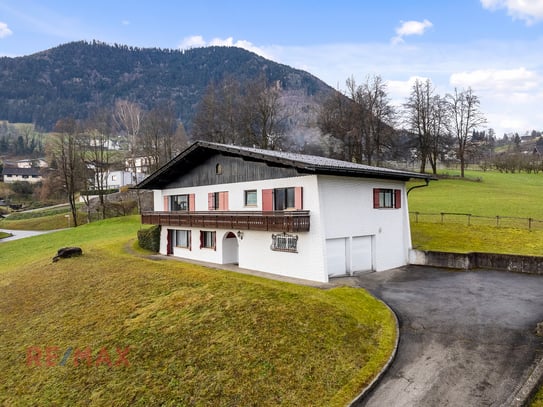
{"x":494,"y":46}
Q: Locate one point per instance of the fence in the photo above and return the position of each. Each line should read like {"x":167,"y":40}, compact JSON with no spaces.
{"x":470,"y":219}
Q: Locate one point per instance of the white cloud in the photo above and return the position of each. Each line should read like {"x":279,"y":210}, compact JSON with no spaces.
{"x":4,"y":30}
{"x":530,"y":11}
{"x":410,"y":28}
{"x":197,"y":41}
{"x":125,"y":22}
{"x":510,"y":80}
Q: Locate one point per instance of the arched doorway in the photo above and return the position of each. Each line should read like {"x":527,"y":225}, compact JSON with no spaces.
{"x":230,"y":249}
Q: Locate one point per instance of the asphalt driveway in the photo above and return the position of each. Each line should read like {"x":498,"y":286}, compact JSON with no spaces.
{"x":467,"y":338}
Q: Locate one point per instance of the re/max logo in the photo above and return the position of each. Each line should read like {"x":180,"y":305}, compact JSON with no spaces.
{"x":50,"y":356}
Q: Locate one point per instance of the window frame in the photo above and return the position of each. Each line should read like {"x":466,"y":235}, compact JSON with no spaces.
{"x":204,"y":243}
{"x":174,"y":202}
{"x":387,"y":198}
{"x":188,"y":238}
{"x":246,"y":195}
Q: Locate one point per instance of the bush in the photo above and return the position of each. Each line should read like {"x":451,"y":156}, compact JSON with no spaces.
{"x":149,"y":239}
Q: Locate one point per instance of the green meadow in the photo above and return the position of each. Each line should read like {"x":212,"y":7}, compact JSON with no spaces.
{"x":484,"y":194}
{"x":116,"y":327}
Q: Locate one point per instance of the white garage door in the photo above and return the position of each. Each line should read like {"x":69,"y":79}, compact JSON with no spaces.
{"x":336,"y":257}
{"x":361,"y":256}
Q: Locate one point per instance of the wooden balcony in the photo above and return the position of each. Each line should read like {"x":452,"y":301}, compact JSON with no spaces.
{"x":272,"y":221}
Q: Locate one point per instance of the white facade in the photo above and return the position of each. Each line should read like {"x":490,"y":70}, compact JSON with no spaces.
{"x":347,"y":234}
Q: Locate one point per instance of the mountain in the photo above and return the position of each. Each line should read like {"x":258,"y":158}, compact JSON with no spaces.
{"x":75,"y":78}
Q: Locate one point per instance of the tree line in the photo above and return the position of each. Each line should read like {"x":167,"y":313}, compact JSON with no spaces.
{"x":363,"y":121}
{"x":82,"y":153}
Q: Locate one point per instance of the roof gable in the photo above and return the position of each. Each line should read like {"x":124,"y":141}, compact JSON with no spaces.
{"x":173,"y":172}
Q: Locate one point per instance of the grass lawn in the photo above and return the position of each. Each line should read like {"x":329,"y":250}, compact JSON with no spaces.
{"x":538,"y":399}
{"x":170,"y":333}
{"x":512,"y":195}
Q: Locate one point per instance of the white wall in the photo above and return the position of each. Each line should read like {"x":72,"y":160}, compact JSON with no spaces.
{"x":347,"y":208}
{"x":254,"y":248}
{"x":340,"y":207}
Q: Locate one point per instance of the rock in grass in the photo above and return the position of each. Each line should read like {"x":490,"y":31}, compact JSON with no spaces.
{"x":67,"y":252}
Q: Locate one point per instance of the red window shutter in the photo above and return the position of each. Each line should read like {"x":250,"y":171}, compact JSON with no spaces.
{"x":210,"y":201}
{"x":192,"y":202}
{"x":166,"y":203}
{"x":267,"y":199}
{"x":376,"y":198}
{"x":397,"y":198}
{"x":298,"y":198}
{"x":223,"y":201}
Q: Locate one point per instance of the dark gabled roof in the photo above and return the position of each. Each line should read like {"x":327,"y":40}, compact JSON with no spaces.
{"x":21,"y":171}
{"x":304,"y":164}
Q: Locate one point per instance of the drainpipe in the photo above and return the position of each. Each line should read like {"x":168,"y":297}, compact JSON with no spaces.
{"x":427,"y":180}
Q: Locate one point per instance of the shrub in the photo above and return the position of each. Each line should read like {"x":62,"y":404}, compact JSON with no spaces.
{"x":149,"y":239}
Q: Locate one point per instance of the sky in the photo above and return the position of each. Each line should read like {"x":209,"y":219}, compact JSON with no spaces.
{"x":493,"y":46}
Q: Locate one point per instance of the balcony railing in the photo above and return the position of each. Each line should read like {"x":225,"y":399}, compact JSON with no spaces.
{"x":273,"y":221}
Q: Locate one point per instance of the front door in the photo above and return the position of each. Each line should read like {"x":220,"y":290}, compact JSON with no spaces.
{"x":170,"y":243}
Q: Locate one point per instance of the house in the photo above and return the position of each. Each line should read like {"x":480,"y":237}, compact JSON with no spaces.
{"x":290,"y":214}
{"x":21,"y":174}
{"x":119,"y":179}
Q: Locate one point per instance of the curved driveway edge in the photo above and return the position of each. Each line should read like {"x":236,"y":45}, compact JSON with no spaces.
{"x":467,"y":338}
{"x":358,"y":399}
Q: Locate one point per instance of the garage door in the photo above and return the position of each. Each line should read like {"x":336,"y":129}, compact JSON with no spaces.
{"x":361,"y":256}
{"x":336,"y":257}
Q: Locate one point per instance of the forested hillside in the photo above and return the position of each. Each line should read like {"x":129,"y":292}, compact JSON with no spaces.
{"x":74,"y":79}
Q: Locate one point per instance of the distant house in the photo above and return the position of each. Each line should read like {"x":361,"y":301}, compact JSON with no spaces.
{"x":119,"y":179}
{"x":17,"y":174}
{"x":289,"y":214}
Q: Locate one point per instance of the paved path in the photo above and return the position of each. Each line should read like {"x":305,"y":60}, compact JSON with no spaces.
{"x":467,"y":338}
{"x":21,"y":234}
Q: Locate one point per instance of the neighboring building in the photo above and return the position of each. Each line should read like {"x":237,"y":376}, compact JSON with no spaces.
{"x":119,"y":179}
{"x":289,"y":214}
{"x":139,"y":164}
{"x":17,"y":174}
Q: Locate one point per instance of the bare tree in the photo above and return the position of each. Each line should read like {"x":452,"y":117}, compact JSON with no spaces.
{"x":252,"y":115}
{"x":362,"y":120}
{"x":465,"y":118}
{"x":159,"y":132}
{"x":65,"y":150}
{"x":218,"y":117}
{"x":127,"y":118}
{"x":335,"y":120}
{"x":264,"y":116}
{"x":426,"y":116}
{"x":97,"y":156}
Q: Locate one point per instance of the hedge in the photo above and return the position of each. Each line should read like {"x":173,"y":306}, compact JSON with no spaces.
{"x":150,"y":238}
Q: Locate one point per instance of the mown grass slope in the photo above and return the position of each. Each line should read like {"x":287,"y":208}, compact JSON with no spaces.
{"x":169,"y":333}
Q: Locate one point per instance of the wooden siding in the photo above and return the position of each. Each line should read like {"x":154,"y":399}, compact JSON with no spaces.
{"x":234,"y":169}
{"x":273,"y":221}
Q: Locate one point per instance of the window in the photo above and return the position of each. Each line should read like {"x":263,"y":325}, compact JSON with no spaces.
{"x":217,"y":201}
{"x":280,"y":199}
{"x":250,"y":198}
{"x":207,"y":239}
{"x":218,"y":169}
{"x":285,"y":243}
{"x":180,"y":203}
{"x":387,"y":198}
{"x":182,"y":238}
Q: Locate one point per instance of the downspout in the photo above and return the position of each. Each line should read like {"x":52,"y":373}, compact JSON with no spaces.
{"x":427,"y":180}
